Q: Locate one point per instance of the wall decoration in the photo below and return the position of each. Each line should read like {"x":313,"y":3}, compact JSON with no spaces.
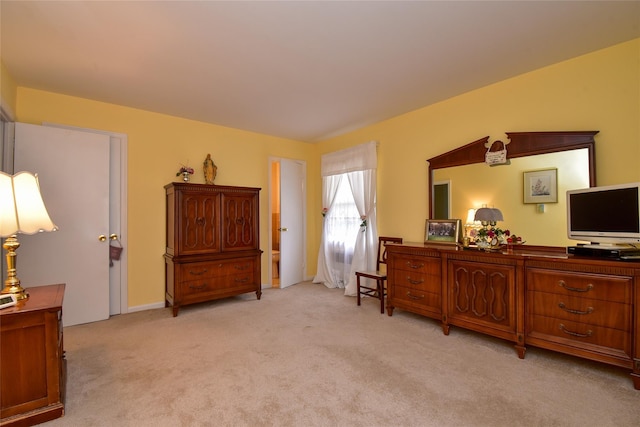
{"x":497,"y":157}
{"x":443,"y":231}
{"x":541,"y":186}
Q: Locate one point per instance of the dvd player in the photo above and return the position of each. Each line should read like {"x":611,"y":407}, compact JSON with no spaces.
{"x":604,"y":251}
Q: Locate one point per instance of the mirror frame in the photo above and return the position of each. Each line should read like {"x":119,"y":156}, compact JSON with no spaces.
{"x":521,"y":144}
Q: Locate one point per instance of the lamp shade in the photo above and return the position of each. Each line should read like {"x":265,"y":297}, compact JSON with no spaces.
{"x":471,"y":216}
{"x":21,"y":207}
{"x":489,"y":215}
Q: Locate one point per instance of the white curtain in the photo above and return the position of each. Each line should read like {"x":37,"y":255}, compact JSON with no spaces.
{"x":349,"y":232}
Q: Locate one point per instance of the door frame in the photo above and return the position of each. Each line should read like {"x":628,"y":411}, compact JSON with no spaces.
{"x":118,"y":143}
{"x":271,"y":160}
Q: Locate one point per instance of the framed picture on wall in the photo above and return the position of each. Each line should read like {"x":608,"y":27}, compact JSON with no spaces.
{"x":541,"y":186}
{"x":443,"y":231}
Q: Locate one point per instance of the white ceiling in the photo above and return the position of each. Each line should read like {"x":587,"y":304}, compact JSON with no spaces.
{"x":299,"y":69}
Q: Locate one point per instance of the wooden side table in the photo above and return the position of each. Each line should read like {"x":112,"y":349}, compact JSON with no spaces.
{"x":32,"y":364}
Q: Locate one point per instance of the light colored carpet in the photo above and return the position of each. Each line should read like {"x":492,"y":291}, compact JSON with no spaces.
{"x":308,"y":356}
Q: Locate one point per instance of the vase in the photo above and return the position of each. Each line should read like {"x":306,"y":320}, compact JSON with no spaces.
{"x":483,"y":244}
{"x":185,"y":176}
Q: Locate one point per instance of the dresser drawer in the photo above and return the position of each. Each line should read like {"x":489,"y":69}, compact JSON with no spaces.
{"x":209,"y":277}
{"x":416,"y":297}
{"x":416,"y":280}
{"x":197,"y":288}
{"x":582,"y":310}
{"x":211,"y":269}
{"x":424,"y":265}
{"x":419,"y":274}
{"x":593,"y":286}
{"x":579,"y":334}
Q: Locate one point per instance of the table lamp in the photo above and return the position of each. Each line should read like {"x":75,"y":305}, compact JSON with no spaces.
{"x":488,"y":216}
{"x":21,"y":211}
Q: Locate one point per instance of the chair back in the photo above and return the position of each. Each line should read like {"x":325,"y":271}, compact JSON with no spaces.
{"x":382,"y":249}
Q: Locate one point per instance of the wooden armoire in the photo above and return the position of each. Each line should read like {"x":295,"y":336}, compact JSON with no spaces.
{"x":213,"y":243}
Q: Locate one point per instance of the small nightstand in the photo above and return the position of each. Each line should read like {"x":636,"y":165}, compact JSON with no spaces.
{"x":33,"y":368}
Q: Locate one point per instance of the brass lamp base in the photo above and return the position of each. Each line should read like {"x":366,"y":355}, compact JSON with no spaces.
{"x":12,"y":284}
{"x":20,"y":292}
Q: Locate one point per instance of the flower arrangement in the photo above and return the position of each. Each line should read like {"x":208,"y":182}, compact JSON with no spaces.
{"x":185,"y":169}
{"x":486,"y":234}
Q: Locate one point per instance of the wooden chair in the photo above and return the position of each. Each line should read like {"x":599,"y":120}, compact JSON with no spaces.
{"x":379,"y":276}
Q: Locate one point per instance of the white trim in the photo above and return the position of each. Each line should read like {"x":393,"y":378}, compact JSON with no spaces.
{"x":6,"y":113}
{"x":8,"y":146}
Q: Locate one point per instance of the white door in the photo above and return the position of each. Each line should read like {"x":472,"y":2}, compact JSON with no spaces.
{"x":292,"y":224}
{"x":73,"y":169}
{"x":118,"y":289}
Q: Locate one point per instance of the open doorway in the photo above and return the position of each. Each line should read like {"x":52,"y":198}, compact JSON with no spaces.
{"x":441,"y":200}
{"x":275,"y":224}
{"x":287,"y":249}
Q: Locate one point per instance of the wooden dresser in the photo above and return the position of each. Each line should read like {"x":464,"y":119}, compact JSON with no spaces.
{"x":537,"y":296}
{"x":33,"y":367}
{"x":213,"y":243}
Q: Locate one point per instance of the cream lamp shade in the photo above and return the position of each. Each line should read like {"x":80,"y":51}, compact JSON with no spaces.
{"x":22,"y":210}
{"x":471,"y":217}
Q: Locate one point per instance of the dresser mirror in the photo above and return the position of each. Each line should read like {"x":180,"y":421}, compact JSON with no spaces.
{"x":471,"y":183}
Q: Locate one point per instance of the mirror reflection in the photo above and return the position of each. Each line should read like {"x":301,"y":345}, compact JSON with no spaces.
{"x":475,"y":185}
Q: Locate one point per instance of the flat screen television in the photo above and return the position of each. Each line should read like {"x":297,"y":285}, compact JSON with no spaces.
{"x":608,"y":215}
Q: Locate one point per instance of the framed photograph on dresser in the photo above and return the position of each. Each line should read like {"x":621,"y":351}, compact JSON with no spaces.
{"x":443,"y":231}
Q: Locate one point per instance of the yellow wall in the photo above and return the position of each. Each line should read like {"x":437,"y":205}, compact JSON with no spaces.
{"x":157,"y":146}
{"x":598,"y":91}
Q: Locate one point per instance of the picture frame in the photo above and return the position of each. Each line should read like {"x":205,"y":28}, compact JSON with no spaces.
{"x":540,"y":186}
{"x":447,"y":231}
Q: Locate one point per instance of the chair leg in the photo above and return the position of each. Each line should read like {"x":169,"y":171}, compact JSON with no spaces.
{"x":358,"y":282}
{"x":381,"y":295}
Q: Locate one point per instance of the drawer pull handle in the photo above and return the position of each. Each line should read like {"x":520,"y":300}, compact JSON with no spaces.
{"x":204,"y":285}
{"x":415,"y":266}
{"x":414,"y":282}
{"x":241,"y":267}
{"x":197,"y":273}
{"x":414,"y":296}
{"x":589,"y":310}
{"x":200,"y":221}
{"x":243,"y":280}
{"x":575,"y":334}
{"x":562,"y":284}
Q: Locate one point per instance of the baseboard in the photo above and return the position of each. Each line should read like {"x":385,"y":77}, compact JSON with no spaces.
{"x":146,"y":307}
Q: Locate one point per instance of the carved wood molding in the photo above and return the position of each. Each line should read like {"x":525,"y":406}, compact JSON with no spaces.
{"x":521,"y":144}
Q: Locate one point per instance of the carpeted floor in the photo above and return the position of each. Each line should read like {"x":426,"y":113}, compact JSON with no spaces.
{"x":308,"y":356}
